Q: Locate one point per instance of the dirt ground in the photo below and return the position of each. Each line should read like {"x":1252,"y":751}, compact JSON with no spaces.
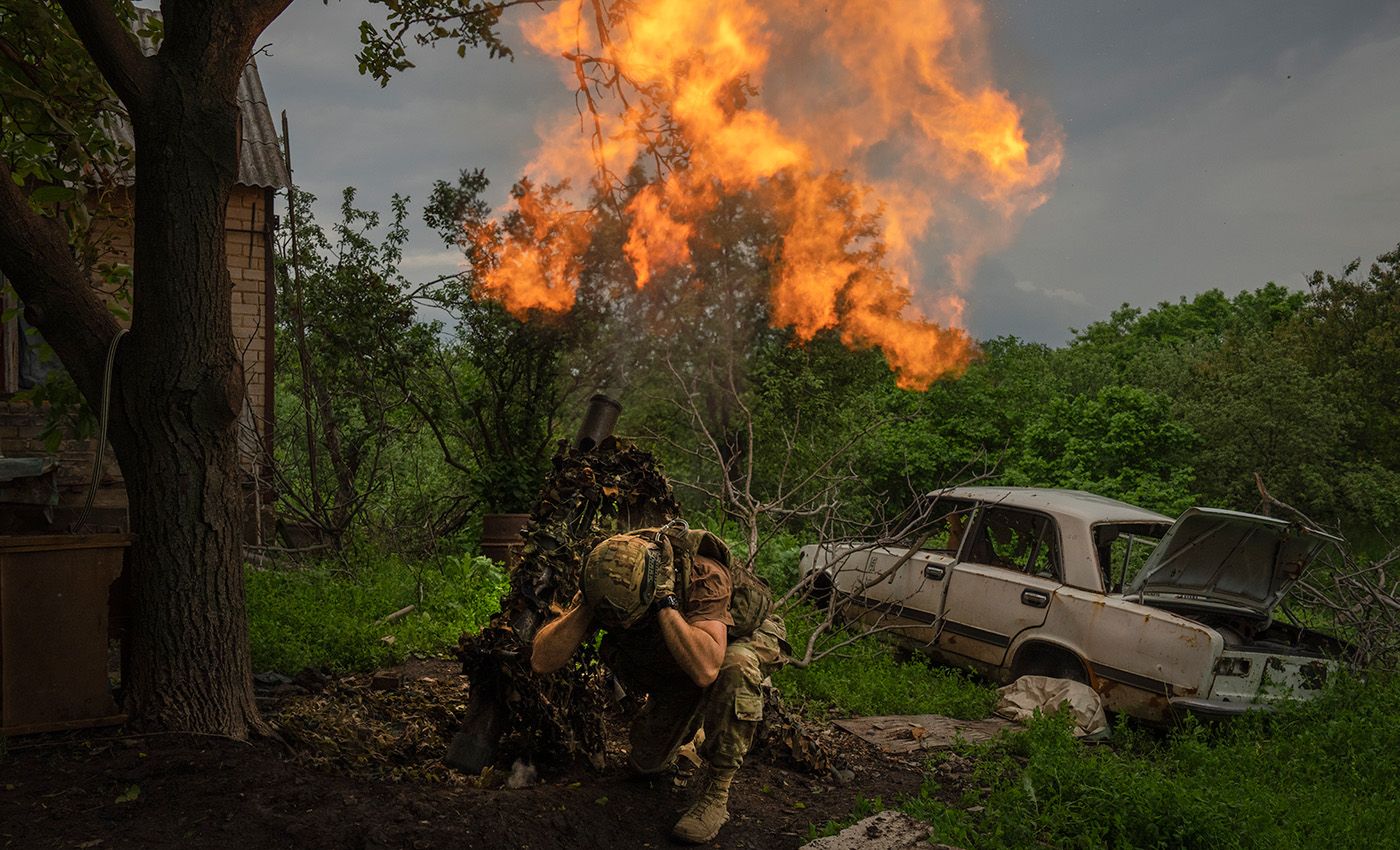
{"x":103,"y":789}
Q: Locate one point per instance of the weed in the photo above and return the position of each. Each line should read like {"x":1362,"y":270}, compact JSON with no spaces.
{"x":864,"y":808}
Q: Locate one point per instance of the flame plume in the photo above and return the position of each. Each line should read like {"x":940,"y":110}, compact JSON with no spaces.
{"x":882,"y":109}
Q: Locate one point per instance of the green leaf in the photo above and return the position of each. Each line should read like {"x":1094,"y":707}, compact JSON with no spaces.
{"x":130,"y":794}
{"x":52,"y":194}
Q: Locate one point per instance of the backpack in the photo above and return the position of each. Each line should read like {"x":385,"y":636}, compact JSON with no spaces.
{"x":750,"y":599}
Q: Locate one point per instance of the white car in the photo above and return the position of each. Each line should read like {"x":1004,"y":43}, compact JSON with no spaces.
{"x":1159,"y":617}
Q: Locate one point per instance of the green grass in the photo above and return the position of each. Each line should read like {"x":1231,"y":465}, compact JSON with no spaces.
{"x":1322,"y":774}
{"x":867,"y":678}
{"x":324,"y":615}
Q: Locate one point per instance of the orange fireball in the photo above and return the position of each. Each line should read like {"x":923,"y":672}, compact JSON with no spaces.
{"x":720,"y":96}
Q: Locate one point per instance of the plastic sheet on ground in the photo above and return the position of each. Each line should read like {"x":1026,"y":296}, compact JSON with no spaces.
{"x":1022,"y":698}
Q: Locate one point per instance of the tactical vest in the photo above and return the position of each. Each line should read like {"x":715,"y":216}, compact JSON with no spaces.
{"x":750,"y":599}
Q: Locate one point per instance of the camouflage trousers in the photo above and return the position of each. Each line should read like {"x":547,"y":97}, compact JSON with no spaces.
{"x":729,"y":710}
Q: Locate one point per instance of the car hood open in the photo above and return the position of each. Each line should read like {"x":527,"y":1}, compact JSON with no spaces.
{"x":1227,"y":558}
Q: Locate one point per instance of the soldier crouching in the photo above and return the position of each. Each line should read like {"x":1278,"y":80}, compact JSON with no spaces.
{"x":665,"y":603}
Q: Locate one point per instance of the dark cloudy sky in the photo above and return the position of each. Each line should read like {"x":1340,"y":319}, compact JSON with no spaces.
{"x":1207,"y":144}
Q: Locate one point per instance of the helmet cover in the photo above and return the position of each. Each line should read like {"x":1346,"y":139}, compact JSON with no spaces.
{"x":619,"y":579}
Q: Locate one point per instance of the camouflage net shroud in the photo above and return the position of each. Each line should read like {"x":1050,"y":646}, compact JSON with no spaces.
{"x":587,"y":497}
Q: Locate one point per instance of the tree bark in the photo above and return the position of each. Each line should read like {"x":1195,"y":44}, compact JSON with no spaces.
{"x":181,"y":390}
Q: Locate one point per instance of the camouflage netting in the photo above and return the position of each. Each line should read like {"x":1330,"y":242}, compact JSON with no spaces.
{"x":551,"y":720}
{"x":587,"y":497}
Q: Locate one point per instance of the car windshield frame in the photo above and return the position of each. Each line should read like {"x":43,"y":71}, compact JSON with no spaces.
{"x":1136,"y":530}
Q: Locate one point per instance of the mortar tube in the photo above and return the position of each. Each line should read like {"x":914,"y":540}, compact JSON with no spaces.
{"x":598,"y":422}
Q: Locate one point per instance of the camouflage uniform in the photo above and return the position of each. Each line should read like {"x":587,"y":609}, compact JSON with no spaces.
{"x":621,"y":584}
{"x":729,"y":710}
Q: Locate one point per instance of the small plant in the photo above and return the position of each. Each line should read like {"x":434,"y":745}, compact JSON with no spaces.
{"x":864,"y":808}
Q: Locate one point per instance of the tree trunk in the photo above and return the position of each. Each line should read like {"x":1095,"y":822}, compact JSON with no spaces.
{"x":181,"y":391}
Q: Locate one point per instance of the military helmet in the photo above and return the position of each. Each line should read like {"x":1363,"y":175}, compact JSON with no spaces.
{"x":619,"y":579}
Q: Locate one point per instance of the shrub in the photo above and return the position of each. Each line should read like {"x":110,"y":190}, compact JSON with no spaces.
{"x":866,"y":677}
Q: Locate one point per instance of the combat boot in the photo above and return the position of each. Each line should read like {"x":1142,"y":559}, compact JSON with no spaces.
{"x":702,"y":821}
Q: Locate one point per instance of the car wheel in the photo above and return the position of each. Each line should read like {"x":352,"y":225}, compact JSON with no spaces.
{"x":1048,"y":661}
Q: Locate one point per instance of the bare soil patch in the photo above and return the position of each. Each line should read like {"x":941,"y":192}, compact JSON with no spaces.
{"x":378,"y":786}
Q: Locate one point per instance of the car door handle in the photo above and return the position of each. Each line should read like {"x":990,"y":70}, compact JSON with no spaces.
{"x":935,"y":572}
{"x":1035,"y":598}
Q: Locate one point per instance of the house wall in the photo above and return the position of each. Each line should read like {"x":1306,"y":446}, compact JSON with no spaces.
{"x":22,"y":424}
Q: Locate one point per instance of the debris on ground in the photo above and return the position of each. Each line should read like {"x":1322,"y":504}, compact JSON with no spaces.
{"x":887,"y":830}
{"x":357,"y":727}
{"x":908,"y":733}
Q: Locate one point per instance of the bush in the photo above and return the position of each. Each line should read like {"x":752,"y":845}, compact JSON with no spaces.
{"x":325,"y":615}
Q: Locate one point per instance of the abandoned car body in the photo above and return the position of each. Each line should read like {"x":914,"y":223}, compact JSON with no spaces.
{"x":1160,"y":617}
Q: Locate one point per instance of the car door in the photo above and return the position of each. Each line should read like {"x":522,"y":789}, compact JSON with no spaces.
{"x":1003,"y":584}
{"x":908,"y":596}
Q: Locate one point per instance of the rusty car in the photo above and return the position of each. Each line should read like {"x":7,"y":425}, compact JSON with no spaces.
{"x":1162,"y":617}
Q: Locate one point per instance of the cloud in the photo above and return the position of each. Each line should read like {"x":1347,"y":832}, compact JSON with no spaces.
{"x":999,"y":304}
{"x":436,"y":263}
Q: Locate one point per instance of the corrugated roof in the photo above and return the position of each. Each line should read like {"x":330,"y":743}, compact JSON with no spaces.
{"x":260,"y":160}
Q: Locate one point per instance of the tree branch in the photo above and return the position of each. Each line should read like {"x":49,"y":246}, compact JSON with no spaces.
{"x":113,"y":48}
{"x":34,"y":256}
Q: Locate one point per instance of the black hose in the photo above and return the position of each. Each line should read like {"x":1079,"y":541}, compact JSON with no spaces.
{"x":101,"y":429}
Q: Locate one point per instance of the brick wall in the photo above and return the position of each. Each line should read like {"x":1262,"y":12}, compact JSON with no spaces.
{"x":21,"y":423}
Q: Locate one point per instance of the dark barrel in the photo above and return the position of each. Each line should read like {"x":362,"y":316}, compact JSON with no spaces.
{"x":500,"y":533}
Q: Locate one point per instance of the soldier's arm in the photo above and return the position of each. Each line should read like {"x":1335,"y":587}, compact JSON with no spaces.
{"x":557,"y":641}
{"x":697,"y":647}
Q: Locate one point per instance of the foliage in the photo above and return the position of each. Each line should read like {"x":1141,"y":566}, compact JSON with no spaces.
{"x":325,"y":615}
{"x":1165,"y":407}
{"x":391,"y":425}
{"x":55,"y":127}
{"x":347,"y":329}
{"x":468,"y":23}
{"x":1121,"y":443}
{"x":1322,"y":773}
{"x":492,"y":395}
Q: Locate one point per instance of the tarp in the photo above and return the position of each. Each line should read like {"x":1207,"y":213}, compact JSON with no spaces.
{"x":1022,"y":698}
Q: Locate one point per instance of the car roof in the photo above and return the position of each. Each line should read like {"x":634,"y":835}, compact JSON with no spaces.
{"x":1078,"y":504}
